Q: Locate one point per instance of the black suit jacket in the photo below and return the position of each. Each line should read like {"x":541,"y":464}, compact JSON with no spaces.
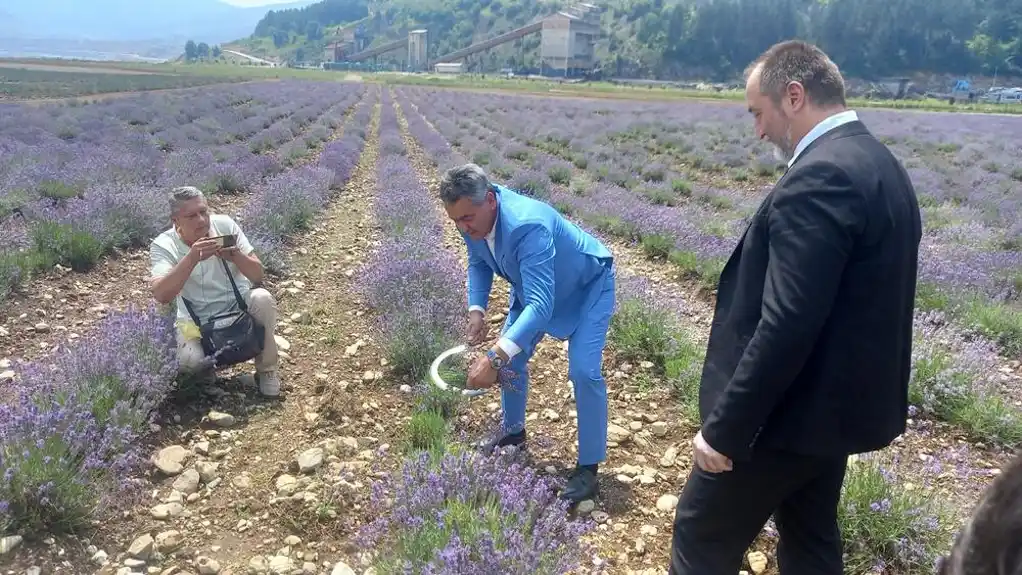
{"x":810,"y":348}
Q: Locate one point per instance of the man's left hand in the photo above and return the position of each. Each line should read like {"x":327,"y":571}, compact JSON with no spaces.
{"x":228,"y":254}
{"x":707,"y":458}
{"x":481,"y":375}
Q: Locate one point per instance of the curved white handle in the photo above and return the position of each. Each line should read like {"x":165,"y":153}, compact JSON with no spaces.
{"x":434,"y":371}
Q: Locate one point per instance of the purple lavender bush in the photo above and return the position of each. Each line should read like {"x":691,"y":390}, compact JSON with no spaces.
{"x":955,"y":379}
{"x":469,"y":514}
{"x":886,"y":527}
{"x":69,"y":438}
{"x":411,"y":282}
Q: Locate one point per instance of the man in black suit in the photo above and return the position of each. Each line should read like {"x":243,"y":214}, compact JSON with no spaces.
{"x":810,"y":350}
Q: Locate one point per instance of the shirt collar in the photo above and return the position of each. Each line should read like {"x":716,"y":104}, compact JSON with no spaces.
{"x":839,"y":119}
{"x":493,"y":231}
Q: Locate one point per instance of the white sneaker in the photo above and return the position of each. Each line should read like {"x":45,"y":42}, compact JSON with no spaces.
{"x":269,"y":383}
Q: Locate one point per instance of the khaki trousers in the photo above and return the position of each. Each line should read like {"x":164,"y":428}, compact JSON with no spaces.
{"x":263,"y":307}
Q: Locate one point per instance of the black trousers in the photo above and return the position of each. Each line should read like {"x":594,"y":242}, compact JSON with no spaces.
{"x":720,"y":514}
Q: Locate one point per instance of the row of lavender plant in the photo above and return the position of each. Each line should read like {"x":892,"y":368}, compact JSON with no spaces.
{"x":80,"y":181}
{"x":286,"y":204}
{"x":875,"y":509}
{"x":447,"y":510}
{"x":969,"y":188}
{"x":70,"y":425}
{"x":956,"y":378}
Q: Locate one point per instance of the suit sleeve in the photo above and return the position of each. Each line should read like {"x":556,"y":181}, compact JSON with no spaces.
{"x":536,"y":261}
{"x":480,"y":279}
{"x":812,"y":225}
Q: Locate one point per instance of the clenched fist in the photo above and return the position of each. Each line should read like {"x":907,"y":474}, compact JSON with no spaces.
{"x":477,"y":327}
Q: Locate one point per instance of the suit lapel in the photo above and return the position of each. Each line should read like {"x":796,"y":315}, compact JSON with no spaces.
{"x":499,"y":247}
{"x":482,"y":245}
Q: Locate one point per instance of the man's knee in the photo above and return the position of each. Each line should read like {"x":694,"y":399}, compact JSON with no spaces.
{"x":262,"y":305}
{"x":191,"y":358}
{"x":585,"y":364}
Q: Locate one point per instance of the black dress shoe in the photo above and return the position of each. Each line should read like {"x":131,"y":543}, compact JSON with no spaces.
{"x":515,"y":439}
{"x":582,"y":485}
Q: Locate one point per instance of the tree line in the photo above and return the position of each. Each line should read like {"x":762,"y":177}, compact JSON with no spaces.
{"x":867,"y":38}
{"x":712,"y":38}
{"x":200,"y":51}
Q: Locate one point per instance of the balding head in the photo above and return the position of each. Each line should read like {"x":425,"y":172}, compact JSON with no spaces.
{"x":800,"y":63}
{"x":789,"y":89}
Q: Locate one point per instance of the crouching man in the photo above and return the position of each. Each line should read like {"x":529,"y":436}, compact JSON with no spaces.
{"x":188,"y":268}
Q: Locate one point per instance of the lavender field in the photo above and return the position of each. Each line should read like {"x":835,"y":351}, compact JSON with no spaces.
{"x":680,"y":180}
{"x":364,"y":469}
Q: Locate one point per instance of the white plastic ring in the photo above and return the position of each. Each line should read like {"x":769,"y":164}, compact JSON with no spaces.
{"x":434,"y":372}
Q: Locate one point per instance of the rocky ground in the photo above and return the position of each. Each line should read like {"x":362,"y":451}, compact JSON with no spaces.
{"x":244,"y":485}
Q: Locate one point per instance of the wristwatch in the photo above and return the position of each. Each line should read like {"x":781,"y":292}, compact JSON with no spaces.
{"x":496,"y":362}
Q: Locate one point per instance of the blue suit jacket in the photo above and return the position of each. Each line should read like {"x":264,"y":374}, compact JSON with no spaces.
{"x":554,"y":267}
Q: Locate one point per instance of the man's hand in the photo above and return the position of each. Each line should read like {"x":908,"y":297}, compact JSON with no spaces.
{"x":477,"y":328}
{"x":203,"y":249}
{"x":481,"y":375}
{"x":228,"y":254}
{"x":707,"y":458}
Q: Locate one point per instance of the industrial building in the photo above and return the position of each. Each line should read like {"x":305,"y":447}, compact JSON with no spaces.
{"x":567,"y":45}
{"x":418,"y":59}
{"x":568,"y":40}
{"x":350,"y":39}
{"x":449,"y":67}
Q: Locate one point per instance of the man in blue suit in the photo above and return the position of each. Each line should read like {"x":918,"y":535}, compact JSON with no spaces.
{"x":562,"y":284}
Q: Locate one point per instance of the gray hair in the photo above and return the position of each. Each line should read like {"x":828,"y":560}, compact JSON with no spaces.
{"x":796,"y":61}
{"x":182,"y":194}
{"x":467,"y":181}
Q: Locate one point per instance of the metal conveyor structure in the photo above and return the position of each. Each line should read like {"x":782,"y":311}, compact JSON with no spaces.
{"x":382,"y":49}
{"x":487,"y":44}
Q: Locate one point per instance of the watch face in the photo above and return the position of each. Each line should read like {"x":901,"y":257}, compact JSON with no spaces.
{"x":495,"y":360}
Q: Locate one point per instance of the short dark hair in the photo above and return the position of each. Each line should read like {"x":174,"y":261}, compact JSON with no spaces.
{"x":797,"y":61}
{"x":465,"y":181}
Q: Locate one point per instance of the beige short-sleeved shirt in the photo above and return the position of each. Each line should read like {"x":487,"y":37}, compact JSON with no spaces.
{"x":208,"y":288}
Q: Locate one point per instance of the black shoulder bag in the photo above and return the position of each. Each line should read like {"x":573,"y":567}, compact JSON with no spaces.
{"x":233,"y":337}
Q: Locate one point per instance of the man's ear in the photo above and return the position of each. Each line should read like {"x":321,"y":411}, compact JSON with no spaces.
{"x":795,"y":94}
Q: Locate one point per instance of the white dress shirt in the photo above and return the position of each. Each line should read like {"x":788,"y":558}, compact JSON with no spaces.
{"x":839,"y":119}
{"x":509,"y":347}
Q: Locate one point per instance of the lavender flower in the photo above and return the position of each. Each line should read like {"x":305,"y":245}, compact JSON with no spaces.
{"x":471,"y":514}
{"x":70,"y":437}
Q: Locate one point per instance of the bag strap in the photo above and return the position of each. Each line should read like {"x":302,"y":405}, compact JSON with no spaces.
{"x":191,"y":312}
{"x":230,"y":276}
{"x":237,"y":294}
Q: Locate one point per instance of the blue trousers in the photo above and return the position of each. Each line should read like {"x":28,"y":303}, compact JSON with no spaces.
{"x":585,"y":370}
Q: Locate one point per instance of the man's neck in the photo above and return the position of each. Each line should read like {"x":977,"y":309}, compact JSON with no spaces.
{"x":812,"y":119}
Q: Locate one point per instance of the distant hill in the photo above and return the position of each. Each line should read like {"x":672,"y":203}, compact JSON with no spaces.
{"x":210,"y":21}
{"x":677,"y":39}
